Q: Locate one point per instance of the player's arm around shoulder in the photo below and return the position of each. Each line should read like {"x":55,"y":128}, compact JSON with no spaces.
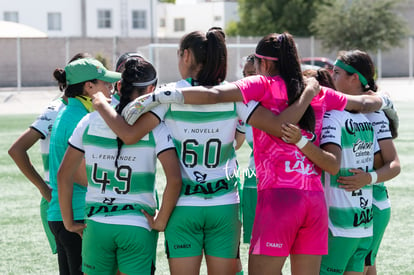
{"x":369,"y":102}
{"x":228,"y":92}
{"x":327,"y":158}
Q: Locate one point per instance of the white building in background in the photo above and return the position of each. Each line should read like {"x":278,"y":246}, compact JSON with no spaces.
{"x":120,"y":18}
{"x":174,"y":20}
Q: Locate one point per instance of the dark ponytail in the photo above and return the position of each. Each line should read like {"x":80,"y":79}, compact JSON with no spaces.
{"x":283,"y":48}
{"x":60,"y":75}
{"x":209,"y":51}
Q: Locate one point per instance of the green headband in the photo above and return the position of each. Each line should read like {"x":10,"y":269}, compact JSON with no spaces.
{"x":350,"y":69}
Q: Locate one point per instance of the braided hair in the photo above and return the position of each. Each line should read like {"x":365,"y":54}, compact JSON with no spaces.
{"x":137,"y":76}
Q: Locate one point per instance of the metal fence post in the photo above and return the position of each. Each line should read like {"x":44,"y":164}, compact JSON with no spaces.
{"x":410,"y":57}
{"x":19,"y":63}
{"x":379,"y":66}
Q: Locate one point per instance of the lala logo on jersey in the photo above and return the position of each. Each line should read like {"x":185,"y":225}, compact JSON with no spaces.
{"x":300,"y":166}
{"x":205,"y":187}
{"x":366,"y":214}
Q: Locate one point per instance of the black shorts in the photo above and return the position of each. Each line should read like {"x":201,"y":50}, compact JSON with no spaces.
{"x":69,"y":248}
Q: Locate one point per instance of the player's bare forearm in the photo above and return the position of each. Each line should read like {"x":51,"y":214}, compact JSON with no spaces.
{"x":211,"y":95}
{"x":328,"y":158}
{"x":363,"y":103}
{"x":387,"y":163}
{"x":172,"y":190}
{"x":19,"y":153}
{"x":265,"y":120}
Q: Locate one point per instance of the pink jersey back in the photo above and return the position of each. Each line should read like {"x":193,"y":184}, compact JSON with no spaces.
{"x":278,"y":164}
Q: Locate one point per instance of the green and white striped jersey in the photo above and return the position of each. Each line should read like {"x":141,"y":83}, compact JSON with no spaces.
{"x":350,"y":213}
{"x":117,"y":195}
{"x":250,"y":173}
{"x":382,"y":130}
{"x":203,"y":136}
{"x":43,"y":124}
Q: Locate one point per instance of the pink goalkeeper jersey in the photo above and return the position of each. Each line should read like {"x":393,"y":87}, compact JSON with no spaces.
{"x":279,"y":164}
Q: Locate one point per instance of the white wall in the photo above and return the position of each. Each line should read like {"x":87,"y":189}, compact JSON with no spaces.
{"x":34,"y":14}
{"x":198,"y":16}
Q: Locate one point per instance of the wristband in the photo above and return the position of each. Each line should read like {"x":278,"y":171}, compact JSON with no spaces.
{"x":302,"y":142}
{"x":374,"y":177}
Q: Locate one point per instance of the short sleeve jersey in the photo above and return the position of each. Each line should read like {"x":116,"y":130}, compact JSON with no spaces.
{"x":382,"y":130}
{"x":350,"y":213}
{"x":203,"y":136}
{"x":115,"y":99}
{"x":278,"y":164}
{"x":117,"y":195}
{"x":43,"y":124}
{"x":62,"y":130}
{"x":250,"y":174}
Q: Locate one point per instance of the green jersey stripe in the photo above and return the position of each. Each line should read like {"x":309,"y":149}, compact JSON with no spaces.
{"x":200,"y":117}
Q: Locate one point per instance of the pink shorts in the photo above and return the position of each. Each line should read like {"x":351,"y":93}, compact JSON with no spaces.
{"x":290,"y":221}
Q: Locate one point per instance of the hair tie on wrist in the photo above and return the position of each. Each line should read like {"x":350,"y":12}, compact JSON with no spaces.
{"x":302,"y":142}
{"x":374,"y":177}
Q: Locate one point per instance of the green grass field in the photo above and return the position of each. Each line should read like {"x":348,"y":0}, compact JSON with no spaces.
{"x":24,"y":249}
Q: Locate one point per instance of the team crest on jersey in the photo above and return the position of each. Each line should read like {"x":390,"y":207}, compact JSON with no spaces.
{"x":109,"y":201}
{"x":363,"y":202}
{"x":201,"y":178}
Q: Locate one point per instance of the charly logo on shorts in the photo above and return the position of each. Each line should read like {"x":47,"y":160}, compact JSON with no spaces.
{"x":181,"y":246}
{"x":274,"y":245}
{"x":335,"y":270}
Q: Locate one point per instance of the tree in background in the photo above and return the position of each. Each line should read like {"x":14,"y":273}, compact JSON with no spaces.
{"x":101,"y":58}
{"x":260,"y":17}
{"x":367,"y":25}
